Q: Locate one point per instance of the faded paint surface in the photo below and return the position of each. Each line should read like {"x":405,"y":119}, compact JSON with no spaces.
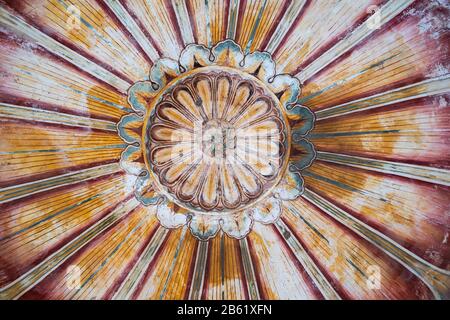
{"x":361,"y":210}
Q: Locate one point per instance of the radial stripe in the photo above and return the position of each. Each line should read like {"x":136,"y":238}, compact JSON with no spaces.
{"x":174,"y":261}
{"x":26,"y":113}
{"x":129,"y":285}
{"x":313,"y":271}
{"x":428,"y":174}
{"x":421,"y":89}
{"x":249,"y":271}
{"x":284,"y":24}
{"x":50,"y":150}
{"x":438,"y":280}
{"x":17,"y":288}
{"x":207,"y":17}
{"x":24,"y":29}
{"x":103,"y":257}
{"x":124,"y":17}
{"x":26,"y":189}
{"x":387,"y":13}
{"x":232,"y":18}
{"x":181,"y":12}
{"x":255,"y":27}
{"x":196,"y":289}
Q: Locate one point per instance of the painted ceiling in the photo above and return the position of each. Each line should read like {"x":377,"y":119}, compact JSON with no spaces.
{"x":224,"y":149}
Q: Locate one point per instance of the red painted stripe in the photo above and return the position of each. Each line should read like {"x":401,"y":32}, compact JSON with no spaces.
{"x":148,"y":272}
{"x":242,"y":278}
{"x":259,"y":281}
{"x":44,"y":289}
{"x":309,"y":281}
{"x":275,"y":24}
{"x":191,"y":271}
{"x":118,"y":282}
{"x":204,"y":295}
{"x":13,"y":273}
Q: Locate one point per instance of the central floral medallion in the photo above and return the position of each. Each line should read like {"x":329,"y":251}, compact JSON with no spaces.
{"x":216,"y":140}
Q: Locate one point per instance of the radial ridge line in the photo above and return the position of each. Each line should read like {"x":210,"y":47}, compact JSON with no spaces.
{"x":78,"y":292}
{"x":387,"y":12}
{"x":19,"y":191}
{"x":132,"y":27}
{"x":421,"y":89}
{"x":249,"y":271}
{"x":283,"y":26}
{"x":198,"y":278}
{"x":17,"y":288}
{"x":131,"y":282}
{"x":308,"y":264}
{"x":22,"y":28}
{"x":437,"y":279}
{"x":27,"y":113}
{"x":208,"y":24}
{"x":182,"y":15}
{"x":255,"y":27}
{"x":174,"y":261}
{"x":428,"y":174}
{"x":233,"y":13}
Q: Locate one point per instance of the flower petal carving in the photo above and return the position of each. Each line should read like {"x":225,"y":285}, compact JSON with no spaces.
{"x":241,"y":150}
{"x":131,"y":160}
{"x":267,"y":211}
{"x":302,"y":120}
{"x":237,"y":225}
{"x":195,"y":54}
{"x":290,"y":187}
{"x":171,"y":215}
{"x":302,"y":155}
{"x":129,"y":128}
{"x":139,"y":95}
{"x":259,"y":64}
{"x":145,"y":192}
{"x":163,"y":71}
{"x":204,"y":227}
{"x":286,"y":87}
{"x":227,"y":53}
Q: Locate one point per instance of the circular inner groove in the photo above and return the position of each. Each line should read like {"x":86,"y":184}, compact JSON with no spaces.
{"x":216,"y":140}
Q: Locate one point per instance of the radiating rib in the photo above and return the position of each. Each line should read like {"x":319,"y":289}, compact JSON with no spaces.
{"x":129,"y":285}
{"x":102,"y":264}
{"x":250,"y":278}
{"x":313,"y":271}
{"x":233,"y":14}
{"x":167,"y":274}
{"x":428,"y":174}
{"x":438,"y":280}
{"x":255,"y":27}
{"x":283,"y":26}
{"x":34,"y":151}
{"x":26,"y":113}
{"x":174,"y":262}
{"x":195,"y":292}
{"x":277,"y":270}
{"x":203,"y":24}
{"x":181,"y":12}
{"x":157,"y":21}
{"x":387,"y":12}
{"x":26,"y":189}
{"x":17,"y":288}
{"x":129,"y":23}
{"x":20,"y":27}
{"x":421,"y":89}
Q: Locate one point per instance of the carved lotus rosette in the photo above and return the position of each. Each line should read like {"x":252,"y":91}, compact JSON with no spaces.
{"x":217,"y":140}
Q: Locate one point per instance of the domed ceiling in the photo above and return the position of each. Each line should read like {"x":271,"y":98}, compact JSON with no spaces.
{"x":224,"y":149}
